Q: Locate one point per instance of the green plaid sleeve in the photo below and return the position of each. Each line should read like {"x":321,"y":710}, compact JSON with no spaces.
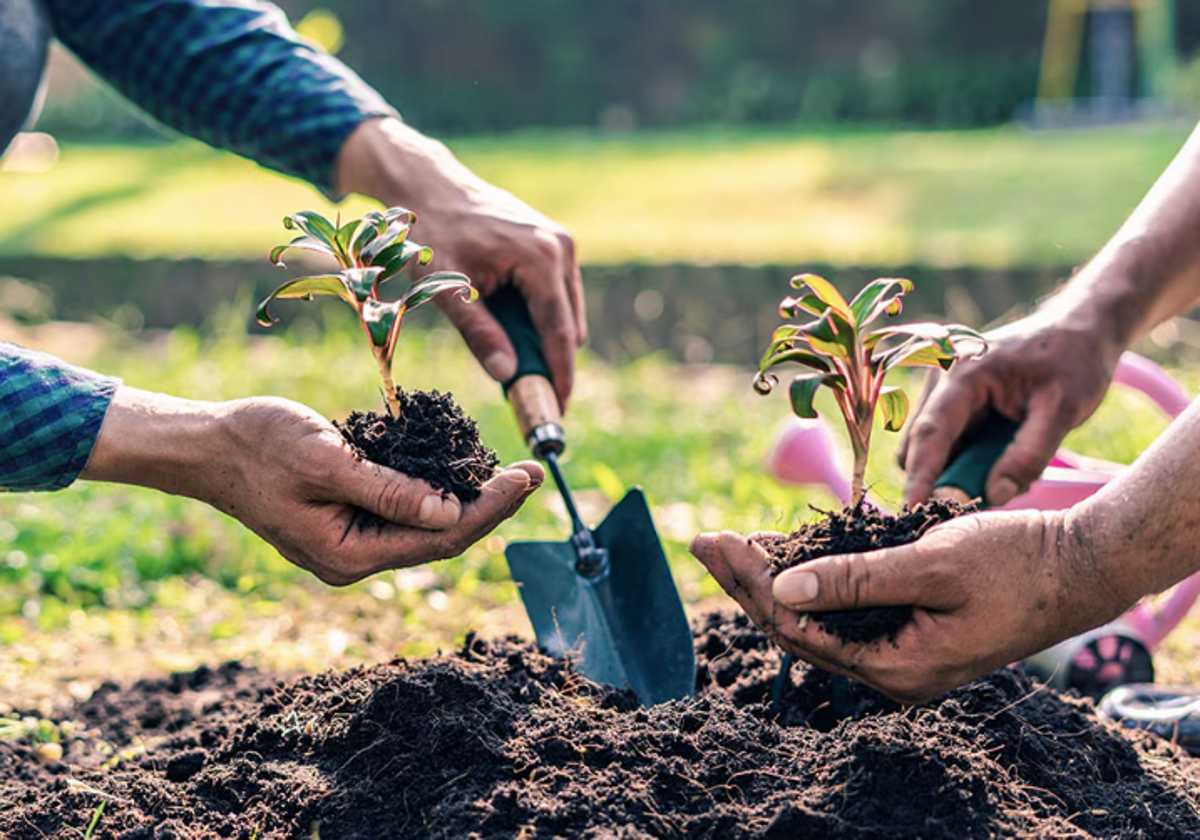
{"x":232,"y":73}
{"x":50,"y":415}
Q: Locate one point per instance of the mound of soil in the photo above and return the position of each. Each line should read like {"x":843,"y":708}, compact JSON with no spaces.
{"x":851,"y":531}
{"x":432,"y":440}
{"x":499,"y":741}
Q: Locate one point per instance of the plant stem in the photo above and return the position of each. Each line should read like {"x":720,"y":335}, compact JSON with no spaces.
{"x":390,"y":394}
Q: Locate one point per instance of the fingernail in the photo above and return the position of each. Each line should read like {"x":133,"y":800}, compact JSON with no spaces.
{"x":1002,"y":491}
{"x":500,"y":366}
{"x":438,"y":511}
{"x":795,"y":589}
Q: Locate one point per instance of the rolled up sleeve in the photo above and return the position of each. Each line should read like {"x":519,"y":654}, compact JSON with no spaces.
{"x":50,"y":416}
{"x":232,"y":73}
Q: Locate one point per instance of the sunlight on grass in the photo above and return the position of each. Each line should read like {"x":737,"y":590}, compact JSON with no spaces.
{"x":988,"y":198}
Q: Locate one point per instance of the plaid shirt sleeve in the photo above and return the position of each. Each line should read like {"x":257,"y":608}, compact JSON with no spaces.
{"x":50,"y":415}
{"x":232,"y":73}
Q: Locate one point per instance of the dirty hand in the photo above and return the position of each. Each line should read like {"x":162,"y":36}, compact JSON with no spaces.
{"x":288,"y":475}
{"x":486,"y":233}
{"x":1048,"y":376}
{"x":986,"y":590}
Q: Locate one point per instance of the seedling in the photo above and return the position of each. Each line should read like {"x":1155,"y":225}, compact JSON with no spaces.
{"x":369,"y":251}
{"x":852,"y":362}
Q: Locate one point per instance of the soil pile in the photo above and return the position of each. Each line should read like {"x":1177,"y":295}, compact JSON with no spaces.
{"x":432,"y":440}
{"x":500,"y":741}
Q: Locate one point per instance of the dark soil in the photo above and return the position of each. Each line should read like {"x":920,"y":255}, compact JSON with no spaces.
{"x":433,"y":440}
{"x":852,"y":531}
{"x":500,"y":742}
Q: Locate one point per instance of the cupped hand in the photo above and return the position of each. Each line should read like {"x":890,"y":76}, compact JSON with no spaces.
{"x":986,"y":590}
{"x":1046,"y":375}
{"x":486,"y":233}
{"x":288,"y":475}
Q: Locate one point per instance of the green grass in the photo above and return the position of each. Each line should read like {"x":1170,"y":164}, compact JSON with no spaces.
{"x":102,"y":580}
{"x":986,"y":198}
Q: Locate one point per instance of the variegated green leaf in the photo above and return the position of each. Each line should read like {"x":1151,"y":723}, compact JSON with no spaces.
{"x":803,"y":391}
{"x":824,"y":290}
{"x":305,"y":288}
{"x":879,"y":296}
{"x":791,"y":307}
{"x":797,"y":356}
{"x":894,"y":403}
{"x":382,"y":321}
{"x":765,"y":382}
{"x":315,"y":225}
{"x":367,"y":232}
{"x":436,"y":283}
{"x":302,"y":243}
{"x":832,"y":335}
{"x":915,"y":353}
{"x":363,"y":282}
{"x":395,"y":233}
{"x":394,"y":259}
{"x":345,"y":236}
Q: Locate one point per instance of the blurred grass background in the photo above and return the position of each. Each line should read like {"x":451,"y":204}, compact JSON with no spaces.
{"x":997,"y":197}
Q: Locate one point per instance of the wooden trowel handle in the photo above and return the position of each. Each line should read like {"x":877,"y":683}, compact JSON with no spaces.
{"x":966,"y":476}
{"x":529,"y":391}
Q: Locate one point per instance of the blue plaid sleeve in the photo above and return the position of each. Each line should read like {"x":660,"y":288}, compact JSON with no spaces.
{"x":232,"y":73}
{"x":50,"y":415}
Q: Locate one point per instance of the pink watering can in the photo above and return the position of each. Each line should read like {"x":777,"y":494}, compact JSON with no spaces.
{"x":1114,"y":654}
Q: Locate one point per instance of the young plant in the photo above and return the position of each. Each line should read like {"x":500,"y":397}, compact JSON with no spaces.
{"x":853,"y":362}
{"x":369,"y":251}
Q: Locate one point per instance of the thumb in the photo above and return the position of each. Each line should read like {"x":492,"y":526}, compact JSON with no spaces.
{"x":398,"y":498}
{"x":849,"y":582}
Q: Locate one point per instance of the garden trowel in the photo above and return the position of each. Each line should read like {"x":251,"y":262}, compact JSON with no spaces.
{"x":605,"y":598}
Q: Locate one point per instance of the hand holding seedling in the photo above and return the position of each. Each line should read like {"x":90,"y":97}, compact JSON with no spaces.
{"x":987,"y":589}
{"x":481,"y":230}
{"x":289,"y":476}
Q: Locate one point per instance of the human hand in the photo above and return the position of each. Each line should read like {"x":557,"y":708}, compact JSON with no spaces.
{"x":1047,"y":374}
{"x":483,"y":231}
{"x":288,"y":475}
{"x":986,"y":590}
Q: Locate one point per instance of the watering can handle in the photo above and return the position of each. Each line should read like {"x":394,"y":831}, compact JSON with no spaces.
{"x":529,"y":391}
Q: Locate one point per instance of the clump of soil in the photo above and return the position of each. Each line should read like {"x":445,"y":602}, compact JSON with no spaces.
{"x":498,"y":741}
{"x":852,"y":531}
{"x":432,"y":440}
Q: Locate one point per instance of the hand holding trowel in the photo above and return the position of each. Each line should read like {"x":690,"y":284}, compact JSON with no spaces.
{"x":605,"y":597}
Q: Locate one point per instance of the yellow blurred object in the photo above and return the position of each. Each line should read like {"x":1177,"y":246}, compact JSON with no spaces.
{"x":322,"y":28}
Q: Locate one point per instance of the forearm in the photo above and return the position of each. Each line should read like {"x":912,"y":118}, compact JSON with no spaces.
{"x":398,"y":165}
{"x":1150,"y":270}
{"x":159,"y":441}
{"x":1141,"y":531}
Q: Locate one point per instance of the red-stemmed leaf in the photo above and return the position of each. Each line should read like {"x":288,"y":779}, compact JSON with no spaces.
{"x":894,"y":403}
{"x":879,"y":296}
{"x":305,"y":288}
{"x":825,"y":291}
{"x":301,"y":243}
{"x":434,"y":284}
